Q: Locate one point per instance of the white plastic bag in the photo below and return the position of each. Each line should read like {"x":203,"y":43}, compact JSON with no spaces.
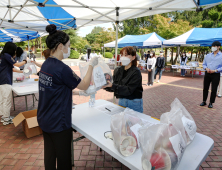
{"x":188,"y":121}
{"x":162,"y":147}
{"x":29,"y":69}
{"x":101,"y":74}
{"x":18,"y":77}
{"x":174,"y":117}
{"x":124,"y":130}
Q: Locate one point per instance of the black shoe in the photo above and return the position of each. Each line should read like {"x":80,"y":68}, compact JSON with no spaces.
{"x":203,"y":104}
{"x":210,"y":105}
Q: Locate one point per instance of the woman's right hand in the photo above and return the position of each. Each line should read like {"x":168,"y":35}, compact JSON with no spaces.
{"x":94,"y":61}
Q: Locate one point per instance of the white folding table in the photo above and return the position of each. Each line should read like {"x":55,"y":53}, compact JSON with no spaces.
{"x":25,"y":88}
{"x":92,"y":124}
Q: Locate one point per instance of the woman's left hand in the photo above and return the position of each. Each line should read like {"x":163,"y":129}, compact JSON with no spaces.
{"x":108,"y":85}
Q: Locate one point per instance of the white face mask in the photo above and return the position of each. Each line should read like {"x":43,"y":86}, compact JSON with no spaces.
{"x":66,"y":55}
{"x":125,"y":61}
{"x":151,"y":55}
{"x":161,"y":54}
{"x":214,"y":49}
{"x":183,"y":54}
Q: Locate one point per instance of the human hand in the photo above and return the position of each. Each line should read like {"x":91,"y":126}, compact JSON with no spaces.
{"x":94,"y":61}
{"x":208,"y":70}
{"x":212,"y":71}
{"x":108,"y":85}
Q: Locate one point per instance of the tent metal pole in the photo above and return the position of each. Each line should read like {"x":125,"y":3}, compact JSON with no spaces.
{"x":93,"y":10}
{"x":19,"y":10}
{"x":28,"y":49}
{"x":94,"y":19}
{"x":10,"y":12}
{"x":116,"y":43}
{"x":4,"y":17}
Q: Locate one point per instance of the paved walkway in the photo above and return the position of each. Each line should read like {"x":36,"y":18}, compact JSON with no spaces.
{"x":18,"y":152}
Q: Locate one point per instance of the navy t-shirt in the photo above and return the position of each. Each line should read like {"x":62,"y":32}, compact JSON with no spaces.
{"x":6,"y":66}
{"x":56,"y":82}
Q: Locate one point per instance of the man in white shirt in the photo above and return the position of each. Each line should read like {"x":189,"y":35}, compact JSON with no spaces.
{"x":93,"y":54}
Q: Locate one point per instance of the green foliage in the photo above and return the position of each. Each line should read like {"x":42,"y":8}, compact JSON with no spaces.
{"x":38,"y":50}
{"x":207,"y":23}
{"x":21,"y":44}
{"x":72,"y":36}
{"x":74,"y":54}
{"x":96,"y":30}
{"x":90,"y":38}
{"x":2,"y":44}
{"x":108,"y":55}
{"x":213,"y":14}
{"x":118,"y":50}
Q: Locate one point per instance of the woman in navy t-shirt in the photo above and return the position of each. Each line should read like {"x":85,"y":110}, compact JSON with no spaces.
{"x":56,"y":82}
{"x":7,"y":63}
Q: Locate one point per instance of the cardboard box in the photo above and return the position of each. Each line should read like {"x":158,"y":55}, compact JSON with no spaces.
{"x":29,"y":123}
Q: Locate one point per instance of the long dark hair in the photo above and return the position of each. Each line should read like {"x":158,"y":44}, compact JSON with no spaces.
{"x":9,"y":48}
{"x":19,"y":52}
{"x":55,"y":37}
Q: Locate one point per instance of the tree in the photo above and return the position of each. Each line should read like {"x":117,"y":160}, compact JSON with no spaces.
{"x":72,"y":36}
{"x":90,"y":38}
{"x":96,"y":30}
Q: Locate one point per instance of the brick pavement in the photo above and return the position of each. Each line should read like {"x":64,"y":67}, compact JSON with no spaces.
{"x":18,"y":152}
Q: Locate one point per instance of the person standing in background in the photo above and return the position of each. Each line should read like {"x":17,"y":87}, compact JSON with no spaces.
{"x":160,"y":64}
{"x":150,"y":66}
{"x":183,"y":61}
{"x":213,"y":65}
{"x":7,"y":64}
{"x":20,"y":56}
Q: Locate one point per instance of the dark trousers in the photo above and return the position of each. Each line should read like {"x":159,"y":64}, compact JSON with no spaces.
{"x":158,"y":70}
{"x":150,"y":75}
{"x":57,"y":147}
{"x":214,"y":79}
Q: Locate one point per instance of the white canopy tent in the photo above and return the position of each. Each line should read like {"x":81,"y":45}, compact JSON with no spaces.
{"x":36,"y":14}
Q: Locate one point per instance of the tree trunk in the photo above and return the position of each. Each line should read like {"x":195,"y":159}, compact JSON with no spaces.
{"x":165,"y":56}
{"x":177,"y":54}
{"x":171,"y":60}
{"x":191,"y":55}
{"x":196,"y":56}
{"x":142,"y":54}
{"x":199,"y":53}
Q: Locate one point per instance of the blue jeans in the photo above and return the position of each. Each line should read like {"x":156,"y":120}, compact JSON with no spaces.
{"x":158,"y":70}
{"x":135,"y":104}
{"x":183,"y":70}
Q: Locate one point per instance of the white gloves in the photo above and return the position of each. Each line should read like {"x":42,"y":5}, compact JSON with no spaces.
{"x":94,"y":61}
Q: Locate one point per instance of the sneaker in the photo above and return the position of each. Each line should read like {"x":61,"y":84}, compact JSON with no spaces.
{"x":183,"y":75}
{"x":6,"y":121}
{"x":158,"y":81}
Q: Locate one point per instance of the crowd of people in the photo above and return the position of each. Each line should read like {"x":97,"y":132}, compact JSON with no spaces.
{"x":55,"y":96}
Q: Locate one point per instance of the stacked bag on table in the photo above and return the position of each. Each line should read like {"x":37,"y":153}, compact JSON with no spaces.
{"x":162,"y":144}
